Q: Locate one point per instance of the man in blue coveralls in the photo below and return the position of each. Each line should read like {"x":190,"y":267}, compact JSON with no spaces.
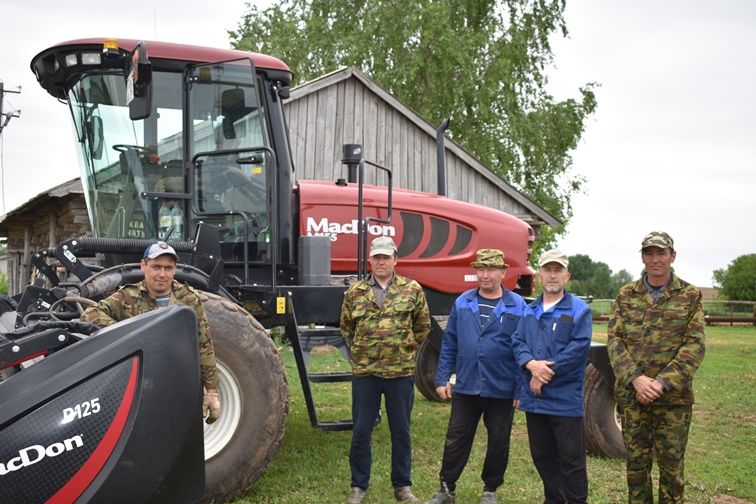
{"x":551,"y":346}
{"x":478,"y":345}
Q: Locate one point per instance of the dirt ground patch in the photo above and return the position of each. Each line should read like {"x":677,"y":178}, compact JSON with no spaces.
{"x":729,"y":499}
{"x":324,"y":349}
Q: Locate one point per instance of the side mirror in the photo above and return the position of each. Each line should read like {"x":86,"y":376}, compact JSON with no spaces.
{"x":233,"y":108}
{"x":95,"y":137}
{"x":139,"y":84}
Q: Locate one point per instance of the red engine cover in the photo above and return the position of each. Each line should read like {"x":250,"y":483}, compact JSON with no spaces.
{"x":437,"y":236}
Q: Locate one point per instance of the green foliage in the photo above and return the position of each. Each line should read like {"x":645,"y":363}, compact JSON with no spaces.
{"x":3,"y":284}
{"x":622,"y":277}
{"x":480,"y":61}
{"x":589,"y":278}
{"x":737,"y":282}
{"x":581,"y":268}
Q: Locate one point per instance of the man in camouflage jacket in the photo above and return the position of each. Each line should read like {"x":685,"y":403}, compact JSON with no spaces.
{"x":656,"y":343}
{"x":384,"y":319}
{"x":156,"y":290}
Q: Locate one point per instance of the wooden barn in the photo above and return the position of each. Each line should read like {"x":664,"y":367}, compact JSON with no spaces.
{"x":339,"y":108}
{"x":346,"y":107}
{"x":42,"y":222}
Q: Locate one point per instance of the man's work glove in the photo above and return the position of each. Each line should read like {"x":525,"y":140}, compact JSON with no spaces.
{"x":211,"y":406}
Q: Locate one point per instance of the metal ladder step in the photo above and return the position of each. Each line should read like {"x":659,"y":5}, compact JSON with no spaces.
{"x":334,"y":425}
{"x":310,"y":337}
{"x":307,"y":338}
{"x":329,"y":377}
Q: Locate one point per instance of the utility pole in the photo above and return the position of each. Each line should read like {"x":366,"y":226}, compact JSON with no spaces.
{"x":5,"y":117}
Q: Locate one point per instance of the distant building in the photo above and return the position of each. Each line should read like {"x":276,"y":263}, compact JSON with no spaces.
{"x":47,"y":219}
{"x":709,"y":292}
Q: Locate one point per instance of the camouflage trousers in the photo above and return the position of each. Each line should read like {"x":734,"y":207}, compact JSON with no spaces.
{"x":661,"y":430}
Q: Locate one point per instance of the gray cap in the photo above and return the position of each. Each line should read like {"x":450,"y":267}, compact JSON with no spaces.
{"x":658,"y":239}
{"x":158,"y":249}
{"x":553,"y":256}
{"x":383,"y":245}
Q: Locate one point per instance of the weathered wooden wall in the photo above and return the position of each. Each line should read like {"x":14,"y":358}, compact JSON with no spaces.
{"x":343,"y":108}
{"x":41,"y":226}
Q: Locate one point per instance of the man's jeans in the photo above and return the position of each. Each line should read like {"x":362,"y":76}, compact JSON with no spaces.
{"x":366,"y":403}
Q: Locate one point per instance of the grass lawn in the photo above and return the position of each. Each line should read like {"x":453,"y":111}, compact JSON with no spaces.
{"x":312,"y":467}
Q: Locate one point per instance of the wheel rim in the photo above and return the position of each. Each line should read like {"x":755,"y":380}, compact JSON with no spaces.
{"x":617,"y":416}
{"x":219,"y":433}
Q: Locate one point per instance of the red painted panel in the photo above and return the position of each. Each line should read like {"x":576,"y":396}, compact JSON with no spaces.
{"x":329,"y":209}
{"x":184,"y":52}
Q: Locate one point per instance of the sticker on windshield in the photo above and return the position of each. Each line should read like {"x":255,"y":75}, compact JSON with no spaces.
{"x":130,"y":88}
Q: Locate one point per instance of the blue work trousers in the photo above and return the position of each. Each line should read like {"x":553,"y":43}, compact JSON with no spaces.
{"x":399,"y":394}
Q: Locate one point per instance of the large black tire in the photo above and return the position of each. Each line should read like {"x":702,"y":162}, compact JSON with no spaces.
{"x":603,"y":431}
{"x":426,"y":360}
{"x":254,"y":401}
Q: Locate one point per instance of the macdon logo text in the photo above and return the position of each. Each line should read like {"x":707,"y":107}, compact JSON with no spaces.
{"x":333,"y":229}
{"x":35,"y":453}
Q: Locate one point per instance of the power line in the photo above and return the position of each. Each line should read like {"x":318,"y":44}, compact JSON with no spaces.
{"x":5,"y":118}
{"x":2,"y":172}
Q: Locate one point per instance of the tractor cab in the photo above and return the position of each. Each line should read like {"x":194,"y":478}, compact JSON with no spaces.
{"x":167,"y":143}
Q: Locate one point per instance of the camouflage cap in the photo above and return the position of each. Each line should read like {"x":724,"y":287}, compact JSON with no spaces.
{"x":658,"y":239}
{"x":383,"y":245}
{"x":158,"y":249}
{"x":553,"y":256}
{"x":489,"y":258}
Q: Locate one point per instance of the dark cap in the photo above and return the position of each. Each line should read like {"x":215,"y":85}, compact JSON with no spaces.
{"x":658,"y":239}
{"x":158,"y":249}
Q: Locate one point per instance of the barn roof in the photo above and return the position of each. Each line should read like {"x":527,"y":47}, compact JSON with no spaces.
{"x":72,"y":186}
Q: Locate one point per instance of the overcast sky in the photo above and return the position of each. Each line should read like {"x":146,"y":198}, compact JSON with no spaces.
{"x":672,"y":145}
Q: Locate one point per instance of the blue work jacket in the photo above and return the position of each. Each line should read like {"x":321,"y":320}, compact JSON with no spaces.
{"x":481,"y":356}
{"x":561,"y":335}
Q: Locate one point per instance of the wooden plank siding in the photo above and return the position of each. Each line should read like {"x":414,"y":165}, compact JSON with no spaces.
{"x":347,"y":107}
{"x":43,"y":222}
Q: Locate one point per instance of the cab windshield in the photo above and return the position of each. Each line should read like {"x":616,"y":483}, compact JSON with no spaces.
{"x":138,"y":176}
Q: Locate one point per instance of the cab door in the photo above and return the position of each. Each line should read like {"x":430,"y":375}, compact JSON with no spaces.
{"x":228,"y":144}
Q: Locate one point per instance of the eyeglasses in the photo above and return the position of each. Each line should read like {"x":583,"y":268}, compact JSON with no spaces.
{"x":158,"y":268}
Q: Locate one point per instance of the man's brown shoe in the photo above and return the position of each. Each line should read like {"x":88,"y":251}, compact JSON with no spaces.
{"x":356,"y":496}
{"x":404,"y":494}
